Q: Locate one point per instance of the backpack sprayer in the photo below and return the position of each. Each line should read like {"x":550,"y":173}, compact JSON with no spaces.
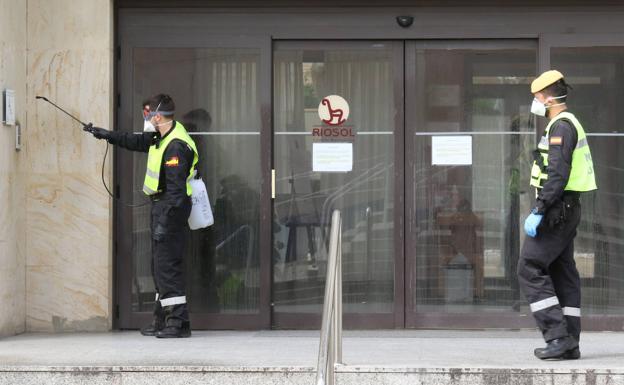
{"x":88,"y":127}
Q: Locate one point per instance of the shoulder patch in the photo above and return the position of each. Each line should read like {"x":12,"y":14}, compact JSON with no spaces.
{"x":556,"y":140}
{"x":174,"y":161}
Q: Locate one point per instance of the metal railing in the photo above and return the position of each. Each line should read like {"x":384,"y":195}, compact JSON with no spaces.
{"x":330,"y":346}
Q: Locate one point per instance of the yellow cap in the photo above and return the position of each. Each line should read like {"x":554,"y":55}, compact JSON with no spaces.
{"x":545,"y":79}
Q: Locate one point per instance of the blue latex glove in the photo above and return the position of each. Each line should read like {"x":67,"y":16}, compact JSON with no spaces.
{"x":531,"y":223}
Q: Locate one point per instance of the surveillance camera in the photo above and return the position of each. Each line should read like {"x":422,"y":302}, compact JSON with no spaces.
{"x":405,"y":21}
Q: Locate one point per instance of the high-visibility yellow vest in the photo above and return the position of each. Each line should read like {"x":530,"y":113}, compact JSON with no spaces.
{"x":582,"y":176}
{"x":155,"y":159}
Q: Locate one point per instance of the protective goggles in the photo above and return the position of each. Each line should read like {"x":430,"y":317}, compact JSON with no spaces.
{"x":147,"y":114}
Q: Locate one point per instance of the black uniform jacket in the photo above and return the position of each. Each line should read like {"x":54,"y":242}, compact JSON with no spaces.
{"x":174,"y":170}
{"x":562,"y":142}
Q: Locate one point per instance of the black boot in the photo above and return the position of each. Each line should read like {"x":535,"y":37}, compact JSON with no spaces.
{"x":573,"y":354}
{"x":175,"y":329}
{"x":158,"y":322}
{"x":558,"y":349}
{"x":153,"y":328}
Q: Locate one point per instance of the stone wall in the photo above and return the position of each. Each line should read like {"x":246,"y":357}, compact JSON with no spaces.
{"x":12,"y":197}
{"x":68,"y":212}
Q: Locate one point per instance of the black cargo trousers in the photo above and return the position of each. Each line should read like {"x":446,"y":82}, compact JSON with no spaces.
{"x":547,"y":272}
{"x":169,"y":243}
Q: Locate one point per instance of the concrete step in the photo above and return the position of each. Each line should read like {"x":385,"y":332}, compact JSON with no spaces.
{"x":345,"y":375}
{"x":148,"y":375}
{"x":426,"y":357}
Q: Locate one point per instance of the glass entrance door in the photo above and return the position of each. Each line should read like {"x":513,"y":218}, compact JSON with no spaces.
{"x":469,"y":139}
{"x":352,"y":160}
{"x":424,"y":146}
{"x":594,"y":65}
{"x":221,"y":88}
{"x":432,"y":199}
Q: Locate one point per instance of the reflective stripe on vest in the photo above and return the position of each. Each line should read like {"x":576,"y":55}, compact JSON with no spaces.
{"x":155,"y":158}
{"x":582,"y":176}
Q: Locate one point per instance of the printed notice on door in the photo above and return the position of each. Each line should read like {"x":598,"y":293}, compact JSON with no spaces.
{"x":451,"y":150}
{"x":332,"y":157}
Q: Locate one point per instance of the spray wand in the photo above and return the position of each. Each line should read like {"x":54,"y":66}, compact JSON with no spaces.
{"x":89,"y":128}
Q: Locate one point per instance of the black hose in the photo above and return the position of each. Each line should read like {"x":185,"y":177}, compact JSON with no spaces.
{"x":108,"y":190}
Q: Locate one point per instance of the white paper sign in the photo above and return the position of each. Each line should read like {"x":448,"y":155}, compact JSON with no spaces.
{"x":451,"y":150}
{"x":332,"y":157}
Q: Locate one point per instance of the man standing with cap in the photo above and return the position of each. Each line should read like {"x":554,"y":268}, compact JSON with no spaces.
{"x":562,"y":170}
{"x":171,"y":163}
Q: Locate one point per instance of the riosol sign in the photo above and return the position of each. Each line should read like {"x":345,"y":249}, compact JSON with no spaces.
{"x":333,"y":111}
{"x":332,"y":147}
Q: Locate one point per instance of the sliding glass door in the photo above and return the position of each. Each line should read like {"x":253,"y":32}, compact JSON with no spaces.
{"x":469,"y":138}
{"x":349,"y":163}
{"x":221,"y":88}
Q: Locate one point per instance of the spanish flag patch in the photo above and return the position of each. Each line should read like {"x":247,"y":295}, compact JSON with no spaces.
{"x":173,"y":162}
{"x":556,"y":140}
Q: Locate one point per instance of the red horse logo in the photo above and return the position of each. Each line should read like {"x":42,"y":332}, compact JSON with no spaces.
{"x":337,"y":113}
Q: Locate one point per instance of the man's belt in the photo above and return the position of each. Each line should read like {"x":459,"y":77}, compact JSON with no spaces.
{"x":571,"y":198}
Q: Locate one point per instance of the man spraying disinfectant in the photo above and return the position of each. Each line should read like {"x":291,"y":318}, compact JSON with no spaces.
{"x":170,"y":182}
{"x":171,"y":163}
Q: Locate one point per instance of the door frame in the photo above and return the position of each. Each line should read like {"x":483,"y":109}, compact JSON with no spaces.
{"x":173,"y":37}
{"x":135,"y":16}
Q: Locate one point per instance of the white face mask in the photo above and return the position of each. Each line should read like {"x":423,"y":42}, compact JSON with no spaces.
{"x":539,"y":108}
{"x":148,"y":126}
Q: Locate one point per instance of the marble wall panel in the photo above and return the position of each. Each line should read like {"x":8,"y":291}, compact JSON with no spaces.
{"x":68,"y":216}
{"x":70,"y":24}
{"x":68,"y":220}
{"x":79,"y":82}
{"x":12,"y":225}
{"x":65,"y":298}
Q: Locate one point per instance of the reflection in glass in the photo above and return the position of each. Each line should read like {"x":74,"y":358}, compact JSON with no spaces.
{"x":467,"y":218}
{"x":216,"y":96}
{"x":363,"y":75}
